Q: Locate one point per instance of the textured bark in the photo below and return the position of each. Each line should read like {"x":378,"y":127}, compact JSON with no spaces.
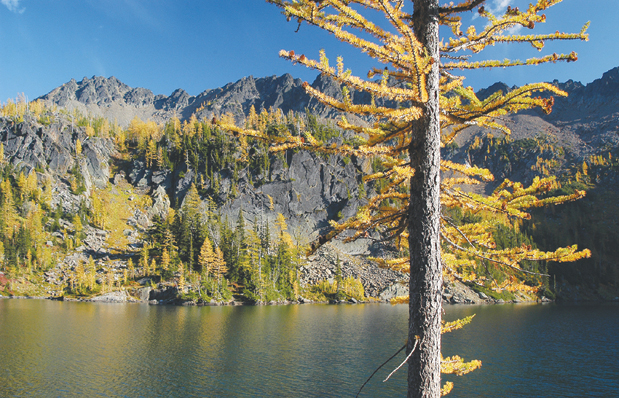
{"x":424,"y":378}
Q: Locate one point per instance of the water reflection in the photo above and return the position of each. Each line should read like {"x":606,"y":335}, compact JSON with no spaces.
{"x":133,"y":350}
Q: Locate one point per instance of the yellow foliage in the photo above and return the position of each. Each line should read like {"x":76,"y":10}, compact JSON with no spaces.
{"x":456,"y":365}
{"x":447,"y":327}
{"x":447,"y":388}
{"x":393,"y":133}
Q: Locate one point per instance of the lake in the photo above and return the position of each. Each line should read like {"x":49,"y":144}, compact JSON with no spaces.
{"x":63,"y":349}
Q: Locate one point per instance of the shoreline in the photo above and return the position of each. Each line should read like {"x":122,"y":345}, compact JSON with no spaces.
{"x":180,"y":303}
{"x":233,"y":303}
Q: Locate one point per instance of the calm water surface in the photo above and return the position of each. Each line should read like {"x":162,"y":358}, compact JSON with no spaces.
{"x":64,"y":349}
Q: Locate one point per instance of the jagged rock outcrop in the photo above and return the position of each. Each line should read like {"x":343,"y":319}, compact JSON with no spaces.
{"x":585,"y":120}
{"x":50,"y":149}
{"x":120,"y":296}
{"x":309,"y":192}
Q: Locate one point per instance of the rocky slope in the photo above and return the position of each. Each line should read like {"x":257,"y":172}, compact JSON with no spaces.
{"x":583,"y":122}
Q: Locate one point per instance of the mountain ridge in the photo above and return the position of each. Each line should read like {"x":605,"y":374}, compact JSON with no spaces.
{"x":587,"y":118}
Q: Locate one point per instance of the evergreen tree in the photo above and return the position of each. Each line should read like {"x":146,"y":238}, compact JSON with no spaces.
{"x":254,"y":257}
{"x":8,"y":212}
{"x":131,"y":268}
{"x":2,"y":257}
{"x":188,"y":225}
{"x":92,"y":272}
{"x":144,"y":260}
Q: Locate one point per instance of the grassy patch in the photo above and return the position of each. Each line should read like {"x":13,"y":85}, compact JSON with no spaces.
{"x":502,"y":295}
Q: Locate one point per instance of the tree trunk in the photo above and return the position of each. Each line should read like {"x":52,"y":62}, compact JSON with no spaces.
{"x":424,"y":378}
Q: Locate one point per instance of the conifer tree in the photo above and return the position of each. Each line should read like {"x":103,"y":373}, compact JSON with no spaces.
{"x":206,"y":259}
{"x":431,"y":108}
{"x":21,"y":184}
{"x":90,"y":268}
{"x":153,"y":266}
{"x":219,"y":266}
{"x":8,"y":212}
{"x":77,"y":224}
{"x":32,"y":185}
{"x":131,"y":268}
{"x":80,"y":274}
{"x":165,"y":261}
{"x":144,"y":259}
{"x":2,"y":267}
{"x":151,"y":153}
{"x":109,"y":277}
{"x":254,"y":255}
{"x":181,"y":277}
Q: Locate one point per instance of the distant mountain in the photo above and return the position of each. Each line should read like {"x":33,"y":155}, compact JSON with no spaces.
{"x":588,"y":118}
{"x":583,"y":124}
{"x":113,"y":99}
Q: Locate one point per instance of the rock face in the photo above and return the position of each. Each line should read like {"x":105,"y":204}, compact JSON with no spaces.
{"x":309,"y":192}
{"x":50,"y":149}
{"x":396,"y":290}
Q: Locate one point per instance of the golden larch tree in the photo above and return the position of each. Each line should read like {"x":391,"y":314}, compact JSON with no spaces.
{"x":418,"y":106}
{"x":206,"y":258}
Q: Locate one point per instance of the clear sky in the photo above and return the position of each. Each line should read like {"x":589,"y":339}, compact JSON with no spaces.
{"x":196,"y":45}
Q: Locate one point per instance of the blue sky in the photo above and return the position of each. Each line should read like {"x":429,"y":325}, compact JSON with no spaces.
{"x":196,"y":45}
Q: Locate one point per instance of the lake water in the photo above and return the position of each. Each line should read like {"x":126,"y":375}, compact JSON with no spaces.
{"x":64,"y":349}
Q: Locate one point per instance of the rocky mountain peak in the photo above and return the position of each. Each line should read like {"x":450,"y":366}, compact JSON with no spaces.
{"x":607,"y":85}
{"x":487,"y":92}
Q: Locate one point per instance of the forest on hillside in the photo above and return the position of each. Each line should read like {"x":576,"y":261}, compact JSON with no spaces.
{"x":46,"y":249}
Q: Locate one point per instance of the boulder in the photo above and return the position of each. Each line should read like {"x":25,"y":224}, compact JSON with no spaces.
{"x":113,"y":297}
{"x":143,"y":293}
{"x":163,"y":294}
{"x":144,"y":281}
{"x":161,"y":203}
{"x":393,"y":291}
